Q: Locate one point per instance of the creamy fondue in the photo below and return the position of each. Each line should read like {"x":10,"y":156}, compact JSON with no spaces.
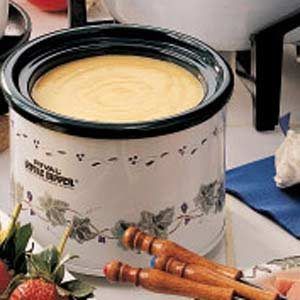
{"x":118,"y":89}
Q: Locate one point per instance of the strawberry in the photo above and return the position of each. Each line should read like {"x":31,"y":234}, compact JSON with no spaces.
{"x":5,"y":276}
{"x":35,"y":289}
{"x":13,"y":244}
{"x":44,"y":280}
{"x":51,"y":5}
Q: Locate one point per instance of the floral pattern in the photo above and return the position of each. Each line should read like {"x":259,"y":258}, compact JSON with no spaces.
{"x":54,"y":210}
{"x":271,"y":268}
{"x":286,"y":263}
{"x":133,"y":159}
{"x":210,"y":199}
{"x":82,"y":230}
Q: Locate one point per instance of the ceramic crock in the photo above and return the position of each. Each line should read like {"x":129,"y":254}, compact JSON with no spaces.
{"x":165,"y":176}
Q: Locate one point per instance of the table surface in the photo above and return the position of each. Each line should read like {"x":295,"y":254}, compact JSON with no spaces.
{"x":255,"y":238}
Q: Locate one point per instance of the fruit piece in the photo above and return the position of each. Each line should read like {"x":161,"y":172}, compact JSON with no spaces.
{"x":105,"y":270}
{"x":294,"y":292}
{"x":283,"y":285}
{"x":5,"y":277}
{"x":45,"y":278}
{"x":35,"y":289}
{"x":285,"y":280}
{"x":50,"y":5}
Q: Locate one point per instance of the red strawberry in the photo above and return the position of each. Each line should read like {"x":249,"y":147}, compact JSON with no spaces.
{"x":35,"y":289}
{"x":5,"y":277}
{"x":51,"y":5}
{"x":45,"y":277}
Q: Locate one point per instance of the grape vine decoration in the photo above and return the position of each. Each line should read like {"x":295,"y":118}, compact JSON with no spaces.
{"x":210,"y":199}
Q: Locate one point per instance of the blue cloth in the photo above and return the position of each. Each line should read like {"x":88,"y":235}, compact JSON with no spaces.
{"x":284,"y":123}
{"x":254,"y":185}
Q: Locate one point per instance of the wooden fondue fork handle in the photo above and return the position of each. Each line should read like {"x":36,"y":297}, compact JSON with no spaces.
{"x":203,"y":275}
{"x":164,"y":283}
{"x":135,"y":239}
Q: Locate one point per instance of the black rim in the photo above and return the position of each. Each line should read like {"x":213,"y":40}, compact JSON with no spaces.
{"x":13,"y":42}
{"x":17,"y":77}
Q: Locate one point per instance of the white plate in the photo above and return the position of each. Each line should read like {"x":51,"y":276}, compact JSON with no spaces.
{"x":264,"y":275}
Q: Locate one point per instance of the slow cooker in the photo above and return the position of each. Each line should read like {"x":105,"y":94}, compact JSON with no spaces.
{"x":165,"y":176}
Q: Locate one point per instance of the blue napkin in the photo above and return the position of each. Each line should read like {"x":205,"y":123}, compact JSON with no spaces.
{"x":254,"y":185}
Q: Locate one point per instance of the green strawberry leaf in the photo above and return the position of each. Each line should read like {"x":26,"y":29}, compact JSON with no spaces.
{"x":59,"y":275}
{"x":65,"y":259}
{"x":13,"y":249}
{"x":44,"y":263}
{"x":59,"y":272}
{"x":21,"y":238}
{"x":7,"y":251}
{"x":78,"y":289}
{"x":62,"y":292}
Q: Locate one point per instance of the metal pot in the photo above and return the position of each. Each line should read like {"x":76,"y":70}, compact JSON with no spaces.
{"x":165,"y":176}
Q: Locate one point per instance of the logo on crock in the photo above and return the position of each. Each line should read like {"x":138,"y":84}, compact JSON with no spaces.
{"x":49,"y":173}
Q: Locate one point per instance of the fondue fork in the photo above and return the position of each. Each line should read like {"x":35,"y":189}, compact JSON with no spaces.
{"x":136,"y":239}
{"x":203,"y":275}
{"x":160,"y":282}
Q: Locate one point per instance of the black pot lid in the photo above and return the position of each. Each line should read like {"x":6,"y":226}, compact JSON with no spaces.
{"x":17,"y":33}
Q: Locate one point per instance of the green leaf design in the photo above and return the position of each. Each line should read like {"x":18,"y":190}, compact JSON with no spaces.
{"x":78,"y":289}
{"x":147,"y":222}
{"x":119,"y":229}
{"x":220,"y":197}
{"x":165,"y":217}
{"x":157,"y":224}
{"x":286,"y":263}
{"x":210,"y":197}
{"x":82,"y":230}
{"x":54,"y":209}
{"x":205,"y":197}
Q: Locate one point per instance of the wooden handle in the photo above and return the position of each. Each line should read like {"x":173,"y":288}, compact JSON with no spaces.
{"x":135,"y":239}
{"x":164,"y":283}
{"x":206,"y":276}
